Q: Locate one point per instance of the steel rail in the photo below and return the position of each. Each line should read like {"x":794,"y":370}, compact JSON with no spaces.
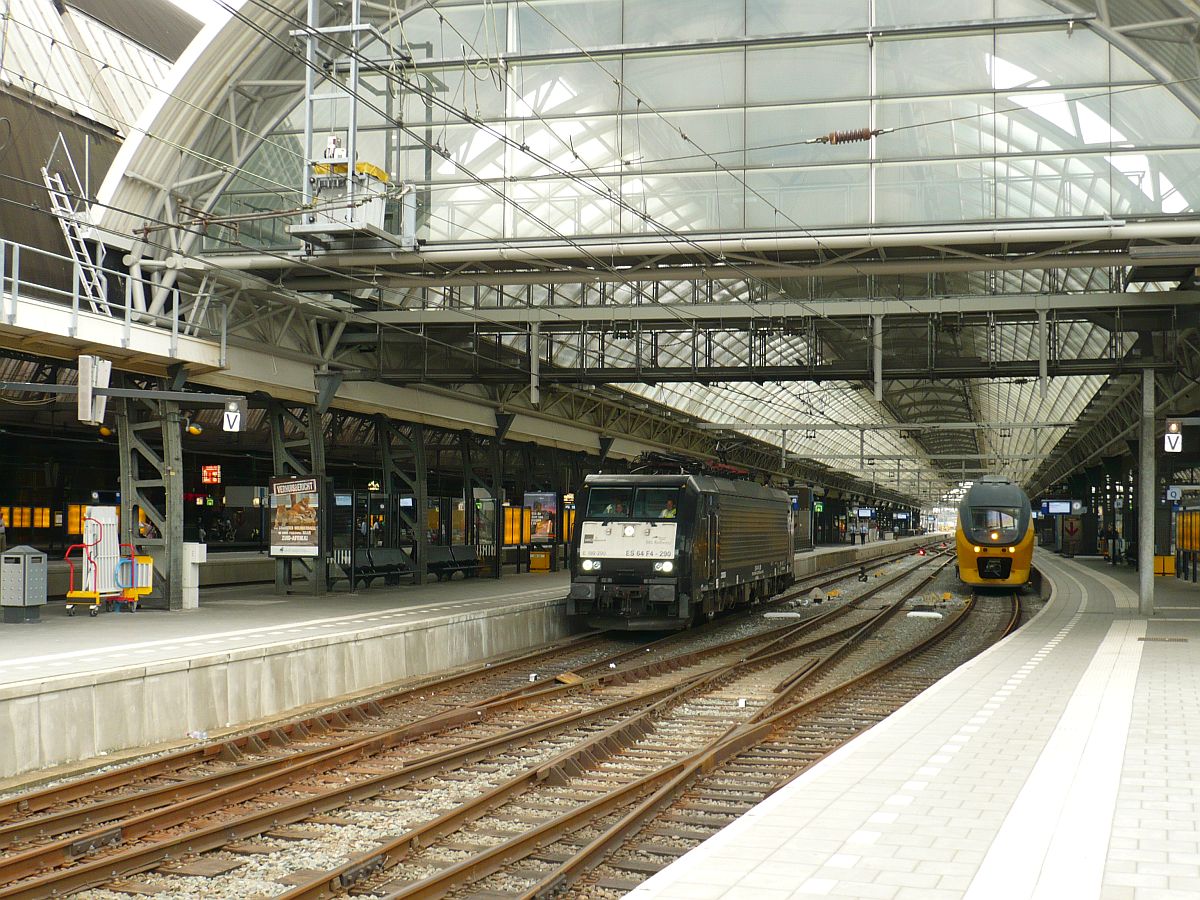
{"x":66,"y":851}
{"x":218,"y":792}
{"x":280,"y":736}
{"x":256,"y":739}
{"x":101,"y":869}
{"x":335,"y":881}
{"x":745,"y":737}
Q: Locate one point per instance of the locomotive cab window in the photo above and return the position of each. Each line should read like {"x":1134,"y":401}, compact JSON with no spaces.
{"x":656,"y":503}
{"x":1002,"y":519}
{"x":605,"y":503}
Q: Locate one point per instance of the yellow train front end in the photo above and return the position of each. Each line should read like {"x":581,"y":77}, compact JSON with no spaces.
{"x":996,"y":565}
{"x":994,"y":537}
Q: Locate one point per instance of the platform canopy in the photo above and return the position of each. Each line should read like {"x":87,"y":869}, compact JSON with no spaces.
{"x":809,"y":223}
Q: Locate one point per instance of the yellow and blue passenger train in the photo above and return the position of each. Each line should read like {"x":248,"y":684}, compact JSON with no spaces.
{"x":994,"y":538}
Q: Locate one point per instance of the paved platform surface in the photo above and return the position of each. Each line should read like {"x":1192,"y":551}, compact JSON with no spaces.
{"x":1062,"y":763}
{"x":231,"y":618}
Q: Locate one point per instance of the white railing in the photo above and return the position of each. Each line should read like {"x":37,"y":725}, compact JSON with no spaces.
{"x":194,"y":314}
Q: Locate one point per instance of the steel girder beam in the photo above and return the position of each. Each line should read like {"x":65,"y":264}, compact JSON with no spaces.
{"x":765,"y":342}
{"x":794,"y":314}
{"x":298,"y":450}
{"x":1159,"y":36}
{"x":842,"y":371}
{"x":405,"y":471}
{"x":149,"y":434}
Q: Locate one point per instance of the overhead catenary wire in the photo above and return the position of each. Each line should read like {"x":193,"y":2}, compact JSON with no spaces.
{"x":601,"y":191}
{"x":607,"y":193}
{"x":500,"y":136}
{"x":227,"y":168}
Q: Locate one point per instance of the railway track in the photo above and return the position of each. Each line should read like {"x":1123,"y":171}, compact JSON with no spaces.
{"x":478,"y":684}
{"x":296,"y":782}
{"x":637,"y":777}
{"x":778,"y":749}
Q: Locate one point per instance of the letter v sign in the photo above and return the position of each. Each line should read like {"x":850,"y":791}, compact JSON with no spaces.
{"x":1173,"y":443}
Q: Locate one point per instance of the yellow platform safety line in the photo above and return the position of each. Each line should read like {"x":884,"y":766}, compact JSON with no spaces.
{"x":362,"y":168}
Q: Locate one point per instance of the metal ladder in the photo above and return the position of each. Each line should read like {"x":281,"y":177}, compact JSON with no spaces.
{"x":93,"y":285}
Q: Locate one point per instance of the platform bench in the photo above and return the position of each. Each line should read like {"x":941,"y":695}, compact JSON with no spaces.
{"x":444,"y":561}
{"x":388,"y":563}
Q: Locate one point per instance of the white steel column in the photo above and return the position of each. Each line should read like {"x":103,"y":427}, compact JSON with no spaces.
{"x":1043,"y":355}
{"x":1146,"y":499}
{"x":877,"y":326}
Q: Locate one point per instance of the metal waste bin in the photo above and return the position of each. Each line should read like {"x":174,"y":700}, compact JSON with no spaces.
{"x":22,"y":584}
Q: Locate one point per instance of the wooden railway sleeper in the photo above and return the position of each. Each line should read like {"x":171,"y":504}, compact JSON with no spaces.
{"x":572,"y":759}
{"x":297,"y":729}
{"x":136,"y":858}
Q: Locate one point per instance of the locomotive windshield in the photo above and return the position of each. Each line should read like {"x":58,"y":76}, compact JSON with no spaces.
{"x":1002,"y":520}
{"x":644,"y":503}
{"x":656,"y":503}
{"x":607,"y":502}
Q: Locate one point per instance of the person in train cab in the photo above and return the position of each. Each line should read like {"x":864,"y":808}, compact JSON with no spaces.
{"x":668,"y":510}
{"x":617,"y":508}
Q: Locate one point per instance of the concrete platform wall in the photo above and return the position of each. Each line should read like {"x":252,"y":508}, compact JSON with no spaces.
{"x":58,"y":720}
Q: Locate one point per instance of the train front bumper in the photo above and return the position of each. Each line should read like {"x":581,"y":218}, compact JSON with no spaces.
{"x":628,"y":606}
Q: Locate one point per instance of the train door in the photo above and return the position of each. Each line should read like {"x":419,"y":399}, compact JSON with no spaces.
{"x":705,"y":546}
{"x":714,"y":539}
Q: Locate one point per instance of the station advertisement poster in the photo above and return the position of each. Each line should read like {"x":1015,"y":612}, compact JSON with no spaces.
{"x":294,"y":503}
{"x":543,"y":517}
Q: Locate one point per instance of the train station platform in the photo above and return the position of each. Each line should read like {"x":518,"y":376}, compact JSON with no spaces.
{"x":73,"y":688}
{"x":1059,"y":763}
{"x":76,"y":688}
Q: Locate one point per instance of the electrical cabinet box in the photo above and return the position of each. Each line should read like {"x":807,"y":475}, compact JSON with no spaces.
{"x":22,"y":584}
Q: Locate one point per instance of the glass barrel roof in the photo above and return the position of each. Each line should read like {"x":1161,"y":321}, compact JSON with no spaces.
{"x":561,"y":121}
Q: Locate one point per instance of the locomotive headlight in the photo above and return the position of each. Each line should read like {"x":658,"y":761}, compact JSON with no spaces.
{"x":590,"y":565}
{"x":667,"y":566}
{"x":629,"y":531}
{"x":1012,"y":549}
{"x":977,"y":549}
{"x":995,"y":535}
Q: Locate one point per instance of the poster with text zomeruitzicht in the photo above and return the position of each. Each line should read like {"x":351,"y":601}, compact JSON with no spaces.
{"x":294,"y":503}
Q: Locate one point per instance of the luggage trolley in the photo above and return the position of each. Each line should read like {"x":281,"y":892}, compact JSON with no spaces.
{"x":134,"y":576}
{"x":112,"y":574}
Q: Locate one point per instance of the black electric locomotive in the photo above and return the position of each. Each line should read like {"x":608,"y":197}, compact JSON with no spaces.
{"x":661,"y":551}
